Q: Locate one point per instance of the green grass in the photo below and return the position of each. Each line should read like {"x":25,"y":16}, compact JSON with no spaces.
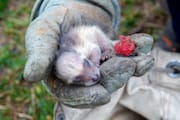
{"x":19,"y":97}
{"x":142,"y":16}
{"x":3,"y":5}
{"x":16,"y":95}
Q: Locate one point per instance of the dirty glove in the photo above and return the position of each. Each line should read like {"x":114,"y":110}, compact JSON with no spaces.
{"x":49,"y":19}
{"x":52,"y":17}
{"x":115,"y":72}
{"x":42,"y":42}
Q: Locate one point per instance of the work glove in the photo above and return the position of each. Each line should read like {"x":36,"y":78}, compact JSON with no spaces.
{"x":115,"y":73}
{"x":49,"y":19}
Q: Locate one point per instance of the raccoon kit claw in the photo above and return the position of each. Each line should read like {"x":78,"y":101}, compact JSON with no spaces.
{"x":107,"y":54}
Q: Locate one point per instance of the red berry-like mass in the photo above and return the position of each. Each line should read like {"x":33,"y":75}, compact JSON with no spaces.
{"x":125,"y":46}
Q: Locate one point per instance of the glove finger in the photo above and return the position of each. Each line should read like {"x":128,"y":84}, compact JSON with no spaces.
{"x":116,"y":72}
{"x":77,"y":96}
{"x":42,"y":38}
{"x":143,"y":64}
{"x":144,"y":42}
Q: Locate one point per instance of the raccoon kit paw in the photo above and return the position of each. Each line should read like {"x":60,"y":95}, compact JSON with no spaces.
{"x":107,"y":54}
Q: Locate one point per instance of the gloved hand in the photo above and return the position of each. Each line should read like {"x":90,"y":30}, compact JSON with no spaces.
{"x":115,"y":72}
{"x":42,"y":42}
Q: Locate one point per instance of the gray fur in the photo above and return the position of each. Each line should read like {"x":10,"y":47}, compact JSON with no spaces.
{"x":71,"y":21}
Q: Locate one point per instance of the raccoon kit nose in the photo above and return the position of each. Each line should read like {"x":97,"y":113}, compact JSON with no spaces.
{"x":95,"y":77}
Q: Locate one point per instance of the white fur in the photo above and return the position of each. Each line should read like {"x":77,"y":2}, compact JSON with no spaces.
{"x":74,"y":68}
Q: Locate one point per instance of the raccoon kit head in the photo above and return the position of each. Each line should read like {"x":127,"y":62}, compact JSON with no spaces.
{"x":74,"y":68}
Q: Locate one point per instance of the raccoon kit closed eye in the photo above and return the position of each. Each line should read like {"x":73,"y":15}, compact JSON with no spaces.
{"x":80,"y":53}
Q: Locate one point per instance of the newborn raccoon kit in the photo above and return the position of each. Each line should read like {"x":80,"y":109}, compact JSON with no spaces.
{"x":81,"y":50}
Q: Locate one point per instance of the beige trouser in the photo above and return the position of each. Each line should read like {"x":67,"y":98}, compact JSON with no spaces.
{"x":154,"y":96}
